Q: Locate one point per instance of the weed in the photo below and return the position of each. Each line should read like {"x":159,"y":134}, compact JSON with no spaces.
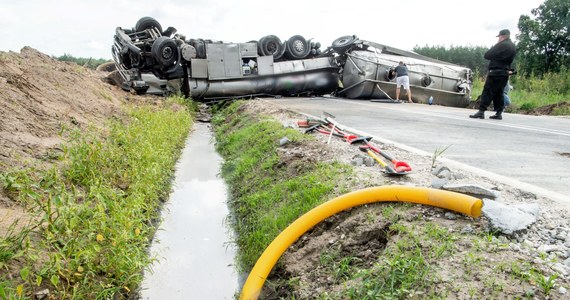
{"x":13,"y":181}
{"x":436,"y":154}
{"x":501,"y":266}
{"x":388,"y":211}
{"x":520,"y":270}
{"x":472,"y":291}
{"x":436,"y":232}
{"x":393,"y":278}
{"x":471,"y":259}
{"x":328,"y":258}
{"x":494,"y":284}
{"x":545,"y":283}
{"x":543,"y":255}
{"x":13,"y":244}
{"x":344,"y":267}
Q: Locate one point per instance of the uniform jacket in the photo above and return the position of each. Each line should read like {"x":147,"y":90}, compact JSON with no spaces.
{"x":501,"y":57}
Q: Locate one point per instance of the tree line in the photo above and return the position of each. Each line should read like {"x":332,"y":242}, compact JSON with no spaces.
{"x":90,"y":63}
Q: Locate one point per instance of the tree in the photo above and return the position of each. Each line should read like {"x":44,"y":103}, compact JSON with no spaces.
{"x":467,"y":56}
{"x":544,"y":42}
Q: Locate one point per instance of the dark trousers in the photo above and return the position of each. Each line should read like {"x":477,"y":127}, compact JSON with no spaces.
{"x":493,"y":91}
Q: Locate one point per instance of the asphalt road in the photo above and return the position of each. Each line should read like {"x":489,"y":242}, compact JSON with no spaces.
{"x":529,"y":152}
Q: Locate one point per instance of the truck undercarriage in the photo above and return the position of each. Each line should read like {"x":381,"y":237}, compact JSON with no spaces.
{"x":208,"y":70}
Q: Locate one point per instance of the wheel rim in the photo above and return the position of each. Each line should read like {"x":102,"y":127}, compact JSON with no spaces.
{"x":272,"y":47}
{"x":167,"y":53}
{"x":298,"y":46}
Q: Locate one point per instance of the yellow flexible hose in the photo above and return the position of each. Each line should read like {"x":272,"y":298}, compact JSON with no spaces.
{"x":444,"y":199}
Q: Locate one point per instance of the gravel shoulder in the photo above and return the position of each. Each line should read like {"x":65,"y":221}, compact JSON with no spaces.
{"x":544,"y":242}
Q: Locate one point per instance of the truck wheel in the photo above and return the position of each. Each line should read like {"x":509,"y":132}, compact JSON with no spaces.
{"x":343,"y":43}
{"x":297,"y":47}
{"x":147,"y":23}
{"x":270,"y":45}
{"x":165,"y":52}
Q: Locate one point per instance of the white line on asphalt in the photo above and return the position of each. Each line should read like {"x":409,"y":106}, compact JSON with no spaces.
{"x":494,"y":123}
{"x":557,"y":197}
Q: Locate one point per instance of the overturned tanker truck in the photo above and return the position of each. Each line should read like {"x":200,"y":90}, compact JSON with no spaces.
{"x":150,"y":60}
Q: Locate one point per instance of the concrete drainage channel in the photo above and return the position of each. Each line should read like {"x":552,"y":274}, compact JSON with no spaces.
{"x":193,"y":244}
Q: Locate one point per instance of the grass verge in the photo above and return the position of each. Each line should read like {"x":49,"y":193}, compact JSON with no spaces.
{"x":381,"y":251}
{"x":533,"y":92}
{"x":95,"y":210}
{"x":265,"y":197}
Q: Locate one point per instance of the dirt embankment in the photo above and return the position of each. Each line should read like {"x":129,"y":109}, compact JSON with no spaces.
{"x":41,"y":99}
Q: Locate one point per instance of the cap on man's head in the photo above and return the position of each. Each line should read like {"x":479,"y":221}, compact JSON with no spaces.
{"x":504,"y":32}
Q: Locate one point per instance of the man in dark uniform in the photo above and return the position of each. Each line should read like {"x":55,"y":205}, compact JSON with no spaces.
{"x":501,"y":56}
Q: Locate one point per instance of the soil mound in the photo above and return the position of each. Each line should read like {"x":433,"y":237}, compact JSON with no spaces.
{"x":40,"y":96}
{"x":41,"y":99}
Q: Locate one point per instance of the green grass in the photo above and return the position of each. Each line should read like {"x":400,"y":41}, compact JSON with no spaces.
{"x":546,"y":283}
{"x":96,"y":217}
{"x":264,"y":200}
{"x":530,"y":93}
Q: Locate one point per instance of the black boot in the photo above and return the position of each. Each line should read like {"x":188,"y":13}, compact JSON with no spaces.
{"x":497,"y":116}
{"x":478,"y":115}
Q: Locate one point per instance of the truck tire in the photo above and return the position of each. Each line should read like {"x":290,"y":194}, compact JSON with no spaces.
{"x":165,"y":52}
{"x":297,"y":47}
{"x":270,"y":45}
{"x":147,"y":23}
{"x":343,"y":43}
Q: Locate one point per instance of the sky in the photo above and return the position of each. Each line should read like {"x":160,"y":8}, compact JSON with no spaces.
{"x":85,"y":28}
